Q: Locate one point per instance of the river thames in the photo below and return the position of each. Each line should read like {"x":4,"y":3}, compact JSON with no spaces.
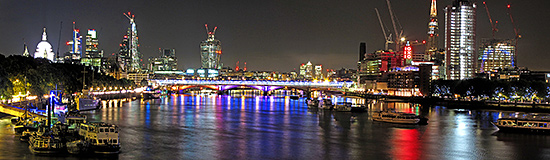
{"x":269,"y":127}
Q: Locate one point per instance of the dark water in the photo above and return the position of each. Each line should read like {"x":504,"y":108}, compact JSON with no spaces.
{"x":223,"y":127}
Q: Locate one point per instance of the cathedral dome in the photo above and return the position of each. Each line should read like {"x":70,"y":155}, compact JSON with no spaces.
{"x":44,"y":48}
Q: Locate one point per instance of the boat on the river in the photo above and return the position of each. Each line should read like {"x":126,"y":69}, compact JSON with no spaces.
{"x":398,"y":117}
{"x":326,"y":104}
{"x":103,"y":137}
{"x":523,"y":125}
{"x":349,"y":107}
{"x":151,"y":93}
{"x":312,"y":103}
{"x":78,"y":146}
{"x":88,"y":103}
{"x":45,"y":141}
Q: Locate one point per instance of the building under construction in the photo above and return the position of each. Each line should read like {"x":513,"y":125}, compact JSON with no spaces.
{"x":495,"y":54}
{"x":211,"y":51}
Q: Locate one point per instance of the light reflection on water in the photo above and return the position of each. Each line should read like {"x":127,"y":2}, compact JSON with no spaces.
{"x":267,"y":127}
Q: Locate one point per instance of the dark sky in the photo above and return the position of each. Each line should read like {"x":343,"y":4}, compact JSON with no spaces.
{"x":275,"y":35}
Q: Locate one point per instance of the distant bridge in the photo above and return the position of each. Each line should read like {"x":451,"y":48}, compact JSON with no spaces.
{"x":261,"y":85}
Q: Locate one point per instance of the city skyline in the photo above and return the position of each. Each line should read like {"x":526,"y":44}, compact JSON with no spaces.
{"x":268,"y":35}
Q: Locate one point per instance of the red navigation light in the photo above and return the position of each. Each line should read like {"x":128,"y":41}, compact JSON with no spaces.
{"x":121,"y":45}
{"x":508,"y":5}
{"x":68,"y":43}
{"x":424,"y":41}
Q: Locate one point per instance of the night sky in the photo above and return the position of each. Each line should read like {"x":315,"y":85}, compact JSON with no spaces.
{"x":275,"y":35}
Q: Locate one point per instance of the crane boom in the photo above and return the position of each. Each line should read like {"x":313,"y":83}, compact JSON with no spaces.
{"x":493,"y":25}
{"x":393,"y":23}
{"x":386,"y":37}
{"x":516,"y":31}
{"x":516,"y":38}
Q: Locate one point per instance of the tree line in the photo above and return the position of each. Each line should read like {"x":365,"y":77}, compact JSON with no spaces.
{"x":20,"y":74}
{"x":492,"y":89}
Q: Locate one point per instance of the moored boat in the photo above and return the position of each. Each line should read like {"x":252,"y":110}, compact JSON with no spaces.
{"x":326,"y":104}
{"x":350,"y":107}
{"x":88,"y":103}
{"x":78,"y":146}
{"x":397,"y":117}
{"x":539,"y":126}
{"x":103,"y":137}
{"x":44,"y":141}
{"x":312,"y":103}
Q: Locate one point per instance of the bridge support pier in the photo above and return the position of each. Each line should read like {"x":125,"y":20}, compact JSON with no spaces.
{"x":308,"y":93}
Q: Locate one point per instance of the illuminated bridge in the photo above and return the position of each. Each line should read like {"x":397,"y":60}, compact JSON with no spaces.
{"x":266,"y":86}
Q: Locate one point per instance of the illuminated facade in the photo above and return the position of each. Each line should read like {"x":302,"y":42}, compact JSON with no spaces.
{"x":319,"y":72}
{"x":25,"y":51}
{"x":166,"y":62}
{"x":460,"y":21}
{"x":123,"y":59}
{"x":133,"y":55}
{"x":433,"y":29}
{"x":44,"y":48}
{"x":496,"y":53}
{"x":93,"y":55}
{"x":75,"y":50}
{"x":211,"y":51}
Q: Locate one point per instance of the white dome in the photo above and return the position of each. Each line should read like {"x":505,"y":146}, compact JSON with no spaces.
{"x":44,"y":49}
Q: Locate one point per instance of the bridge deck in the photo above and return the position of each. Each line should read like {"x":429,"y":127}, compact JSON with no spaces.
{"x":255,"y":83}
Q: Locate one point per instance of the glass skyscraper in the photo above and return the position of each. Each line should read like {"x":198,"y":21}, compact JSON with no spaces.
{"x":211,"y":51}
{"x":460,"y":21}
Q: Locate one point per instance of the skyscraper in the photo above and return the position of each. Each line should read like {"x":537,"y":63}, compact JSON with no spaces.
{"x":362,"y":51}
{"x":319,"y":72}
{"x":75,"y":50}
{"x":133,"y":54}
{"x":123,"y":59}
{"x":211,"y":51}
{"x":433,"y":29}
{"x":92,"y":56}
{"x":460,"y":21}
{"x":167,"y":61}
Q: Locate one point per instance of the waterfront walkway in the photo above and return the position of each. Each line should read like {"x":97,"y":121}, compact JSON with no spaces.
{"x":19,"y":112}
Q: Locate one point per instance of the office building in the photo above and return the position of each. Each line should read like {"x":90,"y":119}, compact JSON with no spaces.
{"x":460,"y":42}
{"x":211,"y":51}
{"x":495,"y":54}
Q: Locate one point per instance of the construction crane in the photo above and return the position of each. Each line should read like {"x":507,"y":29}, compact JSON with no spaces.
{"x":208,"y":31}
{"x":386,"y":37}
{"x":493,"y":25}
{"x":129,"y":16}
{"x":517,"y":35}
{"x":398,"y":35}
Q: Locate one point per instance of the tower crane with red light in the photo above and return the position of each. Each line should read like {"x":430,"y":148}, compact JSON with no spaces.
{"x":516,"y":38}
{"x":493,"y":25}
